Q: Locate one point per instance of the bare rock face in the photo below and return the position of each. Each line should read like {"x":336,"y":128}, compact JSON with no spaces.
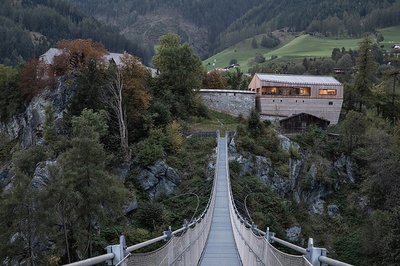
{"x":158,"y":178}
{"x":302,"y":185}
{"x":28,"y":126}
{"x":41,"y":176}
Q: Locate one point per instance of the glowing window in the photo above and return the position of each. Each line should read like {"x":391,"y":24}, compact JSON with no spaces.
{"x":305,"y":91}
{"x":327,"y":92}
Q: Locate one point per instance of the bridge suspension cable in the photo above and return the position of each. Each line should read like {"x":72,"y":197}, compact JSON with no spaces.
{"x":186,"y":245}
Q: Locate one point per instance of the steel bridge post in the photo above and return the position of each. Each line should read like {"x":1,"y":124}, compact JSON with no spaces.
{"x":119,"y":251}
{"x":314,"y":253}
{"x":268,"y":235}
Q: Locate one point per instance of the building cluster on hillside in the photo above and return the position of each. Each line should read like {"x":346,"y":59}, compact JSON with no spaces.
{"x":295,"y":100}
{"x":48,"y":58}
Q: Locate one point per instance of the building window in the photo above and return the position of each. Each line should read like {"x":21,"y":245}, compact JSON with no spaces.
{"x":327,"y":92}
{"x":330,"y":103}
{"x":286,"y":91}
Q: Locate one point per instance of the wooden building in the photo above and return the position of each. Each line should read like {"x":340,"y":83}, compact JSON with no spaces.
{"x":300,"y":122}
{"x":287,"y":95}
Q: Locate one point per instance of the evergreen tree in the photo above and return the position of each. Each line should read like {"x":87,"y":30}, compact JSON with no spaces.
{"x":10,"y":98}
{"x":254,"y":43}
{"x":365,"y":75}
{"x":23,"y":239}
{"x":97,"y":196}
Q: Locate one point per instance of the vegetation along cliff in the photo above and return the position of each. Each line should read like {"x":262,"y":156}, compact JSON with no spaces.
{"x":94,"y":144}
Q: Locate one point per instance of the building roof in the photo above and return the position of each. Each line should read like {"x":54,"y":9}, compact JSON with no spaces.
{"x":303,"y":114}
{"x":114,"y":56}
{"x":299,"y":79}
{"x":50,"y":54}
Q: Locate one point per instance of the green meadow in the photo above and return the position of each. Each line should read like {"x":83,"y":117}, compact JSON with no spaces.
{"x":294,"y":47}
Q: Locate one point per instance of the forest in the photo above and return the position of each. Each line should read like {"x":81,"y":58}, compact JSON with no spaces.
{"x":119,"y":115}
{"x":229,"y":22}
{"x":30,"y":28}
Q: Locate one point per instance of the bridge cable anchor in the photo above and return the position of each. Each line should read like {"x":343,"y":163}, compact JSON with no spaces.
{"x":269,"y":235}
{"x":168,"y":234}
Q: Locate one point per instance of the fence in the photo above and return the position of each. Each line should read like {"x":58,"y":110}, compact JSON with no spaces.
{"x":185,"y":245}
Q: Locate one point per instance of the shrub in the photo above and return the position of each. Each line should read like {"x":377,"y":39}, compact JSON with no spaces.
{"x":149,"y":151}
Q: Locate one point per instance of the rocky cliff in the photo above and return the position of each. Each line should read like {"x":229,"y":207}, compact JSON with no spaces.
{"x":27,"y":127}
{"x":307,"y":181}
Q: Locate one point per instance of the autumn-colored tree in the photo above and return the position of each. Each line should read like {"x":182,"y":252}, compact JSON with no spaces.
{"x":127,"y":97}
{"x":76,"y":54}
{"x":34,"y":78}
{"x":136,"y":96}
{"x":214,"y":80}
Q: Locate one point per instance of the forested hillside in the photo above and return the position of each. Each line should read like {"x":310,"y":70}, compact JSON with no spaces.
{"x":211,"y":26}
{"x":29,"y":28}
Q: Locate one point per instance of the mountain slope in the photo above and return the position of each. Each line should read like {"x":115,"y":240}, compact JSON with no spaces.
{"x":211,"y":26}
{"x":30,"y":27}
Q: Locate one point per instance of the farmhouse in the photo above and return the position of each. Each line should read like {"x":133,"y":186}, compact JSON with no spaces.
{"x":282,"y":96}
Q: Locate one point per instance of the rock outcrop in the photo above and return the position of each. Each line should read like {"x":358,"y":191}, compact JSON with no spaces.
{"x":302,"y":185}
{"x":28,"y":126}
{"x":158,"y":178}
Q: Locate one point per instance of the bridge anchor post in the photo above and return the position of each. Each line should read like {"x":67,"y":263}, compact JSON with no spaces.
{"x":168,"y":234}
{"x":119,"y":251}
{"x":269,"y":235}
{"x":314,"y":253}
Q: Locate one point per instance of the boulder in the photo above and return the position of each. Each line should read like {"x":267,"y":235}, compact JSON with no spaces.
{"x":333,"y":210}
{"x":293,"y":233}
{"x":158,"y":178}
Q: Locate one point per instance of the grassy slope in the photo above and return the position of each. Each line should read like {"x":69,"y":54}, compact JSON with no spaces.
{"x":294,"y":47}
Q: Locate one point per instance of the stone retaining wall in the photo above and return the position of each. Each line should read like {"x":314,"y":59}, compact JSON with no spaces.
{"x":233,"y":102}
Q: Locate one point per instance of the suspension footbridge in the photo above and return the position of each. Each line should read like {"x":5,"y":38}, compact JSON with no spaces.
{"x":219,"y":236}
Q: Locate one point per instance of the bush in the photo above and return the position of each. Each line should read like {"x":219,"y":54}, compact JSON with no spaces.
{"x":149,"y":151}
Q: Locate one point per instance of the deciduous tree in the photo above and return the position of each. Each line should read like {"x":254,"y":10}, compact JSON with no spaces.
{"x":180,"y":75}
{"x":76,"y":54}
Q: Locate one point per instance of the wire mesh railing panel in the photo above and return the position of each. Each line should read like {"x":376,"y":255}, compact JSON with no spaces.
{"x":255,"y":249}
{"x":183,"y":250}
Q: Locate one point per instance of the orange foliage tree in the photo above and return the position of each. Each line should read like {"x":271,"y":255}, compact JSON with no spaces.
{"x":34,"y":78}
{"x":76,"y":53}
{"x":214,"y":80}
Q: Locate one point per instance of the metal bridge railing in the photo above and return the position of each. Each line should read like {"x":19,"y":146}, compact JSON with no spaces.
{"x":184,"y":246}
{"x":255,"y":246}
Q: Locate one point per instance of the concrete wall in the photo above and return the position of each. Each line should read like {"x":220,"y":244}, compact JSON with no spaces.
{"x":232,"y":102}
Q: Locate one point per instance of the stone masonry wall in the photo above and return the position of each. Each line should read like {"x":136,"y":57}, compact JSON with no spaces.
{"x":233,"y":102}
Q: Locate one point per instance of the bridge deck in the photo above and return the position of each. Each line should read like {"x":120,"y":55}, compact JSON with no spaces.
{"x":221,"y":248}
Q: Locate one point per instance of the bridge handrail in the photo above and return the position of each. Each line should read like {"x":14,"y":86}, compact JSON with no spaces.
{"x":314,"y":255}
{"x":93,"y":260}
{"x":124,"y":252}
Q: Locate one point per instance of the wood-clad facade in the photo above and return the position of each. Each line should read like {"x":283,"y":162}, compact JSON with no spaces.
{"x":300,"y":122}
{"x":287,"y":95}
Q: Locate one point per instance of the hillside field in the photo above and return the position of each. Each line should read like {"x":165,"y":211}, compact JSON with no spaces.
{"x":293,"y":47}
